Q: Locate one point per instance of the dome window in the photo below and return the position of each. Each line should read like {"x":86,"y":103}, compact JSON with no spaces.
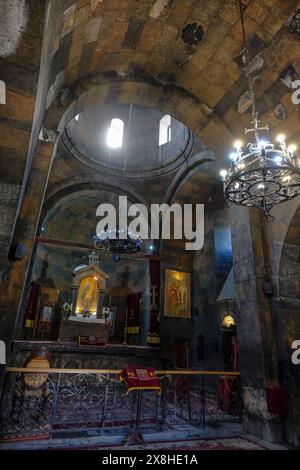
{"x":114,"y":137}
{"x":165,"y":130}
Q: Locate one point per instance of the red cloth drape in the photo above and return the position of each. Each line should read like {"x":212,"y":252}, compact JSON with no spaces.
{"x":30,"y":312}
{"x":227,"y":400}
{"x":133,"y":312}
{"x":153,"y":334}
{"x":277,"y":400}
{"x":140,"y":379}
{"x":235,"y":354}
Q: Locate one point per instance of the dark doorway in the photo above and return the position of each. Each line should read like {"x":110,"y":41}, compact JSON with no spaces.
{"x":179,"y":354}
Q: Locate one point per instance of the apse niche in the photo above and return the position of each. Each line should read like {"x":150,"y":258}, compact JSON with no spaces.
{"x":128,"y":139}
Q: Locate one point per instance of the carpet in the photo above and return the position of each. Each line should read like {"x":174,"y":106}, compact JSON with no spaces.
{"x":218,"y":443}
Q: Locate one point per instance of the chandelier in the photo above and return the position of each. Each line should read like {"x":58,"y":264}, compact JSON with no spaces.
{"x":118,"y":241}
{"x":262,"y":174}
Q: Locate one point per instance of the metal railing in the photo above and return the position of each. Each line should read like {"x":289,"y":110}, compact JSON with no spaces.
{"x":53,"y":402}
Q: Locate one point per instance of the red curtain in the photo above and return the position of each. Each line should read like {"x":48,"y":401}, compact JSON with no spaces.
{"x":30,"y":312}
{"x":235,"y":354}
{"x":153,"y":334}
{"x":180,"y":354}
{"x":277,"y":400}
{"x":133,"y":313}
{"x":140,"y":379}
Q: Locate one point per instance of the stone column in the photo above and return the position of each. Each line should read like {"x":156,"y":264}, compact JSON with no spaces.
{"x":20,"y":61}
{"x":74,"y":297}
{"x":9,"y":195}
{"x":11,"y":290}
{"x":100,"y":305}
{"x":255,"y":323}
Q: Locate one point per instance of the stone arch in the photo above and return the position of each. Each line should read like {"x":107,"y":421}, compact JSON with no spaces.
{"x":289,"y":264}
{"x":71,"y":185}
{"x":278,"y":231}
{"x":204,"y":160}
{"x":99,"y":89}
{"x":81,"y":201}
{"x":191,"y":186}
{"x":286,"y":308}
{"x":92,"y":185}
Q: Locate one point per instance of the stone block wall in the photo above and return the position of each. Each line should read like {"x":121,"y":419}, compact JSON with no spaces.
{"x":9,"y":196}
{"x":286,"y":308}
{"x":207,"y":284}
{"x":21,"y":26}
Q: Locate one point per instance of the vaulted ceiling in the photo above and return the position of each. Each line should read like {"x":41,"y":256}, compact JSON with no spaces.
{"x":142,"y":39}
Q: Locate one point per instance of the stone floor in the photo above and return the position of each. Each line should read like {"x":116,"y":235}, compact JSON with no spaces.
{"x":182,"y":435}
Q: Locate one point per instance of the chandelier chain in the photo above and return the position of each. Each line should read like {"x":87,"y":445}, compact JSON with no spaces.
{"x":262,"y":173}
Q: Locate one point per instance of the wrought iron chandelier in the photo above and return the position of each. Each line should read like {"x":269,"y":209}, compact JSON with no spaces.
{"x":118,"y":241}
{"x":264,"y":173}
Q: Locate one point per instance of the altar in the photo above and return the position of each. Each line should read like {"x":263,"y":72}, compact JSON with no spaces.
{"x":91,"y":313}
{"x":73,"y":328}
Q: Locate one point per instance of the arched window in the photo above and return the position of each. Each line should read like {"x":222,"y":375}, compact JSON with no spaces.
{"x":165,"y":129}
{"x":114,"y":137}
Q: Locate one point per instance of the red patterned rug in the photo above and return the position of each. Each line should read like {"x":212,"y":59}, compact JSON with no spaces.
{"x":218,"y":443}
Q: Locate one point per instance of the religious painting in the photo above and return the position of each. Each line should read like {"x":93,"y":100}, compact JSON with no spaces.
{"x":111,"y":318}
{"x":88,"y":296}
{"x":47,"y":313}
{"x":177,"y":294}
{"x":104,"y":314}
{"x":48,"y":303}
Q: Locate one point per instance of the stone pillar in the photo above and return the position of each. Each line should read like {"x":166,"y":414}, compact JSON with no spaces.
{"x":145,"y":308}
{"x":74,"y":297}
{"x":20,"y":61}
{"x":101,"y":296}
{"x":205,"y":320}
{"x":9,"y":195}
{"x":11,"y":290}
{"x":255,"y":323}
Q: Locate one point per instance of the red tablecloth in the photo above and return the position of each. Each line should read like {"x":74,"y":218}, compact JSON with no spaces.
{"x":140,"y":379}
